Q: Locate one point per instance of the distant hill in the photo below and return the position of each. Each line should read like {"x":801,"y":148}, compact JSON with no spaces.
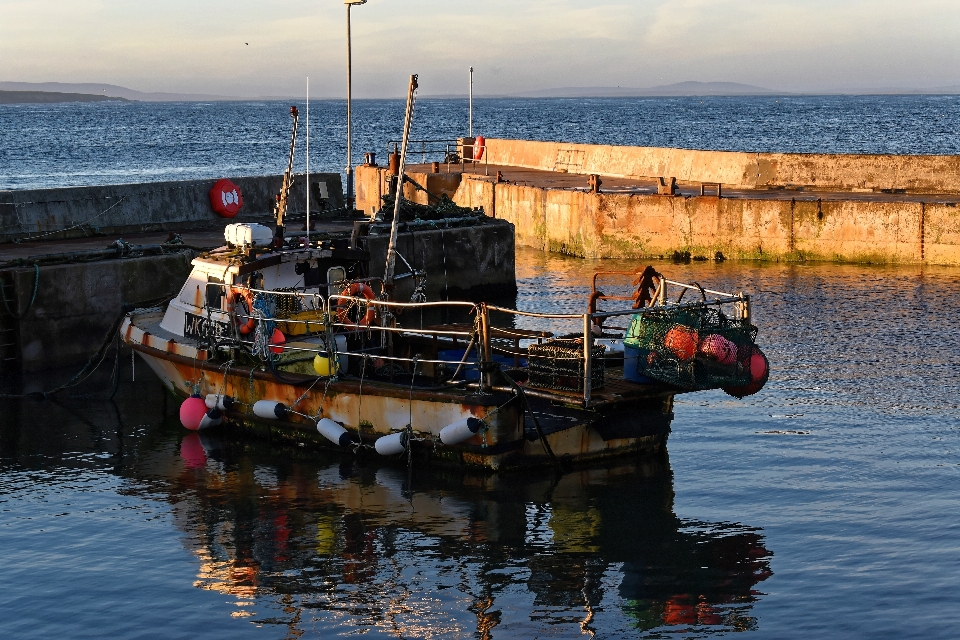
{"x":113,"y":91}
{"x":677,"y":89}
{"x":47,"y":97}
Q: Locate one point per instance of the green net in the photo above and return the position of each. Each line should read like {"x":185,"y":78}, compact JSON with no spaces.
{"x":694,"y":348}
{"x":558,"y":364}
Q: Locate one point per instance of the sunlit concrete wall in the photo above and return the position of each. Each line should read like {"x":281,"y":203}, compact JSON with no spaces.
{"x":934,"y":174}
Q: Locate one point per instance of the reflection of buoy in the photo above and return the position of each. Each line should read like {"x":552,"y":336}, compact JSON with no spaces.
{"x":759,"y":368}
{"x":460,"y":430}
{"x":192,"y":411}
{"x":277,"y":339}
{"x":212,"y":418}
{"x":192,"y":453}
{"x":392,"y":444}
{"x":334,"y":432}
{"x":216,"y":401}
{"x":682,"y":341}
{"x":270,"y":409}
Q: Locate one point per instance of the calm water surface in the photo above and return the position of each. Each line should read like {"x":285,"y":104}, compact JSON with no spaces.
{"x":79,"y":144}
{"x":825,"y":506}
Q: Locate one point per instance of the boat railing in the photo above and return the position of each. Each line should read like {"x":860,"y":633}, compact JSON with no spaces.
{"x":453,"y":152}
{"x":489,"y":346}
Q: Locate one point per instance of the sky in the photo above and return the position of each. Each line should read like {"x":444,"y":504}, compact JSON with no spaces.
{"x":268,"y":48}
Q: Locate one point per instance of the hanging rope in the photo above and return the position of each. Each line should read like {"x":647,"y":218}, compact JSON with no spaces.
{"x":33,"y":296}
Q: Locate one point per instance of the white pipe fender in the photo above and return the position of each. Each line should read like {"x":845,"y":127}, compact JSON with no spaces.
{"x":391,"y":445}
{"x":334,"y":432}
{"x":217,"y":401}
{"x":270,"y":409}
{"x":460,"y":430}
{"x":213,"y":418}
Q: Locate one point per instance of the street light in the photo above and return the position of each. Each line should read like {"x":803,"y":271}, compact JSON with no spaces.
{"x":349,"y":4}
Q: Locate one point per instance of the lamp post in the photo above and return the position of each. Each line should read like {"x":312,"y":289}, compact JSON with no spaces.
{"x":350,"y":198}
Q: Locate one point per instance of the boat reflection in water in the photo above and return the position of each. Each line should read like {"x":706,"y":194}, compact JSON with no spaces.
{"x":322,"y":544}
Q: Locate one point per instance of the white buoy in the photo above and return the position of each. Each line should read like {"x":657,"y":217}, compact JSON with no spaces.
{"x":334,"y":432}
{"x":213,"y":418}
{"x":460,"y":430}
{"x":270,"y":409}
{"x":217,"y":401}
{"x":392,"y":444}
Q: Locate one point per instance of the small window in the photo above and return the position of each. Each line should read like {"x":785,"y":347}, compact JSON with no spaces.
{"x":335,"y":275}
{"x":215,"y":291}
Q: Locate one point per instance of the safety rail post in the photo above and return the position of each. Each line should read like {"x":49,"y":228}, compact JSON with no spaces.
{"x":486,"y":383}
{"x":587,"y":357}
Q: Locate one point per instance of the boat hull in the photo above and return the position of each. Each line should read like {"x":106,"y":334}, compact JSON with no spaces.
{"x":371,"y":410}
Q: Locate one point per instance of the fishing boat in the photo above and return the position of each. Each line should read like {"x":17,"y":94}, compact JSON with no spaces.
{"x":293,"y":337}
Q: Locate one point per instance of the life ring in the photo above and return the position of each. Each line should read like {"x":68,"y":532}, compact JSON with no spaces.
{"x":479,"y":144}
{"x":247,"y":296}
{"x":225,"y":198}
{"x":357,"y":289}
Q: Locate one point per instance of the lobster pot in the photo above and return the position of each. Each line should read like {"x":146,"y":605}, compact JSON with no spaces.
{"x":558,"y":364}
{"x":693,"y":348}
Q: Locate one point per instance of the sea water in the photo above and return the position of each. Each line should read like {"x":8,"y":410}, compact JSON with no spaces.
{"x":824,"y":506}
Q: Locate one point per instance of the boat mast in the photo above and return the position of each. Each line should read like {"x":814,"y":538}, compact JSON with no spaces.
{"x":392,"y":247}
{"x":281,"y":207}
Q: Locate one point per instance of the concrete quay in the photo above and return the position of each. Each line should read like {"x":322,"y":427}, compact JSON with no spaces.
{"x":654,"y":202}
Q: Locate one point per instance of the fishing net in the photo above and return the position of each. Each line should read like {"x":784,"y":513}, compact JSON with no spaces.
{"x":694,"y":348}
{"x":558,"y":364}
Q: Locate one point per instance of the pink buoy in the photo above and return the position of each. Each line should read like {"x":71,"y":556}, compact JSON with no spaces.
{"x":277,"y":339}
{"x":718,"y":348}
{"x":192,"y":412}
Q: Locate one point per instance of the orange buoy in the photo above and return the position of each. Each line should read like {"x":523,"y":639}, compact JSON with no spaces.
{"x":226,"y":198}
{"x":682,"y":341}
{"x":277,"y":339}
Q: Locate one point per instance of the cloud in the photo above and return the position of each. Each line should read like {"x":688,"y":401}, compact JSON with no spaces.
{"x":198,"y":45}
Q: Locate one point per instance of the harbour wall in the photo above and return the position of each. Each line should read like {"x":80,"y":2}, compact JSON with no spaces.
{"x":850,"y":172}
{"x":828,"y":226}
{"x":75,"y":212}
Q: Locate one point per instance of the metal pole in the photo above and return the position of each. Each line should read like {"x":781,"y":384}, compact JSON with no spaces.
{"x":392,"y":247}
{"x":349,"y":129}
{"x":587,"y":358}
{"x":470,"y":133}
{"x":308,"y":161}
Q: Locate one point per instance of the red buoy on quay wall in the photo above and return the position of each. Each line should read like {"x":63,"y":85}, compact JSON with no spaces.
{"x":226,"y":198}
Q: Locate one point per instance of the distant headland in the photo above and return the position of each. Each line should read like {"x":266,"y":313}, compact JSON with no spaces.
{"x":49,"y":97}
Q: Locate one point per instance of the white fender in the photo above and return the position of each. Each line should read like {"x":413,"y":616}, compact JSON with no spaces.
{"x":460,"y":430}
{"x":270,"y":409}
{"x":213,"y":418}
{"x":217,"y":401}
{"x":392,"y":444}
{"x":334,"y":432}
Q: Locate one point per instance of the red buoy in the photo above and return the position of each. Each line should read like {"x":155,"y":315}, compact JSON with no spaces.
{"x":225,"y":198}
{"x":479,"y":144}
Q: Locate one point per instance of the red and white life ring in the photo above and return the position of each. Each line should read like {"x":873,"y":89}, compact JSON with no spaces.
{"x":355,"y":290}
{"x":479,"y":144}
{"x":226,"y":198}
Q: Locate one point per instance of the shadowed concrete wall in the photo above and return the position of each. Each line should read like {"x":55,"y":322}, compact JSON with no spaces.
{"x":470,"y":261}
{"x":145,"y":207}
{"x":924,"y":174}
